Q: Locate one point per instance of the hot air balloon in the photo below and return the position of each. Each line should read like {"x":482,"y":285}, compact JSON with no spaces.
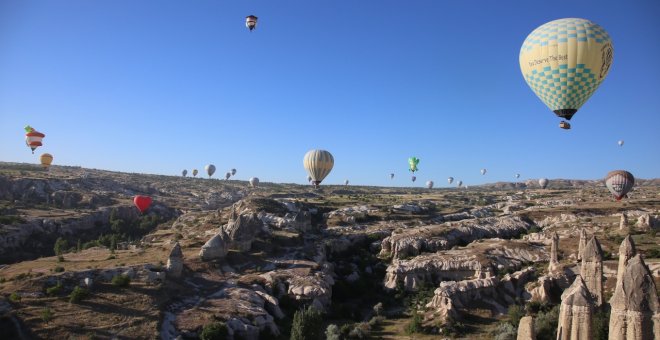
{"x":46,"y":159}
{"x":483,"y":171}
{"x":142,"y":202}
{"x":412,"y":164}
{"x":564,"y":61}
{"x":33,"y":138}
{"x":254,"y":182}
{"x":460,"y":183}
{"x":619,"y":182}
{"x":450,"y":180}
{"x":227,"y":175}
{"x":414,"y":178}
{"x":517,"y":175}
{"x":620,"y":143}
{"x":318,"y":164}
{"x":543,"y":182}
{"x":233,"y":172}
{"x":346,"y":182}
{"x":429,"y":184}
{"x":391,"y":176}
{"x":195,"y":172}
{"x":309,"y":179}
{"x":210,"y":169}
{"x":184,"y":172}
{"x":251,"y":22}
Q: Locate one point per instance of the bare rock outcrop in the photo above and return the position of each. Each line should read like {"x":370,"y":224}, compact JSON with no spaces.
{"x":635,"y":311}
{"x":623,"y":222}
{"x":626,"y":252}
{"x":647,"y":222}
{"x":175,"y":262}
{"x":575,"y":312}
{"x":582,"y":244}
{"x":444,"y":236}
{"x":591,"y":270}
{"x":526,"y":329}
{"x":479,"y":260}
{"x":215,"y":248}
{"x":242,"y":230}
{"x":554,"y":258}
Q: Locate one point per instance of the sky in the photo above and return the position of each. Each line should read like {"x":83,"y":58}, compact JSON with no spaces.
{"x":158,"y":86}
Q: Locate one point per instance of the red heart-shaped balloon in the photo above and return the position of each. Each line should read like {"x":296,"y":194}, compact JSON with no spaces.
{"x":142,"y":202}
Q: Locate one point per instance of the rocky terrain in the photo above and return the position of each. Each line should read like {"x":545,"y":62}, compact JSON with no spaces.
{"x":501,"y":261}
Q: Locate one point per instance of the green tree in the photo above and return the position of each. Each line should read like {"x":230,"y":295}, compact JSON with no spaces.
{"x":307,"y":324}
{"x":214,"y":331}
{"x":60,"y":245}
{"x":515,"y":314}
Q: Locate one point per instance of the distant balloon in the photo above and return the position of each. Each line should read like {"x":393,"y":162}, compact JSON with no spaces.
{"x":517,"y":175}
{"x":619,"y":182}
{"x":621,"y":143}
{"x":450,"y":180}
{"x":46,"y":159}
{"x":391,"y":176}
{"x":33,"y":138}
{"x":543,"y":182}
{"x":564,"y":61}
{"x":142,"y":202}
{"x":414,"y":178}
{"x":184,"y":173}
{"x":483,"y":171}
{"x":429,"y":184}
{"x":195,"y":172}
{"x":460,"y":184}
{"x":254,"y":182}
{"x":233,"y":172}
{"x":210,"y":169}
{"x":412,"y":164}
{"x":318,"y":164}
{"x":251,"y":22}
{"x":346,"y":182}
{"x":227,"y":175}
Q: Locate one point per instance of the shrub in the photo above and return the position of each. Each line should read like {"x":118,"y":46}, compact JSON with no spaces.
{"x":360,"y":331}
{"x":46,"y":314}
{"x":600,"y":324}
{"x":58,"y":269}
{"x":60,"y":245}
{"x":14,"y":297}
{"x":307,"y":324}
{"x":55,"y":290}
{"x":515,"y":313}
{"x":415,"y":325}
{"x":78,"y":294}
{"x":214,"y":331}
{"x":121,"y":280}
{"x":374,"y":321}
{"x":378,"y":308}
{"x":332,"y":332}
{"x":545,"y":324}
{"x":505,"y":331}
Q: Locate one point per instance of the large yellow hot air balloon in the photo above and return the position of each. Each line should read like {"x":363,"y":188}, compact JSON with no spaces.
{"x":46,"y":159}
{"x":318,"y":164}
{"x":564,"y":61}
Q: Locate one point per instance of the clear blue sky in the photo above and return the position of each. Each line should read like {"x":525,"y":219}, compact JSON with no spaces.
{"x":157,"y":86}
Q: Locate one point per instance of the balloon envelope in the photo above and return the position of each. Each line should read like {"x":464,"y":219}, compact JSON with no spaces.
{"x":429,"y":184}
{"x":460,"y":183}
{"x":46,"y":159}
{"x":450,"y":180}
{"x":227,"y":175}
{"x":564,"y":61}
{"x":318,"y":164}
{"x":195,"y":172}
{"x":620,"y":143}
{"x":346,"y":182}
{"x":412,"y":164}
{"x":483,"y":171}
{"x":254,"y":182}
{"x":517,"y":175}
{"x":543,"y":182}
{"x":210,"y":169}
{"x":391,"y":176}
{"x":251,"y":22}
{"x":33,"y":138}
{"x":142,"y":202}
{"x":184,"y":173}
{"x":233,"y":172}
{"x":619,"y":182}
{"x":414,"y":178}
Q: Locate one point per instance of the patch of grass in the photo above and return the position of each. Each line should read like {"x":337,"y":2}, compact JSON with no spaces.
{"x":58,"y":269}
{"x":14,"y":297}
{"x":46,"y":314}
{"x":214,"y":331}
{"x":121,"y":280}
{"x":78,"y":294}
{"x":55,"y":290}
{"x":11,"y":219}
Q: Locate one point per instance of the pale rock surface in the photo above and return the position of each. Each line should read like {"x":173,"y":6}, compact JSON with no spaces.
{"x":214,"y":249}
{"x":575,"y":312}
{"x":591,"y":270}
{"x":175,"y":262}
{"x":242,"y":230}
{"x":582,"y":244}
{"x":635,"y":311}
{"x":626,"y":252}
{"x":554,"y":248}
{"x":623,"y":223}
{"x":526,"y":329}
{"x":647,"y":222}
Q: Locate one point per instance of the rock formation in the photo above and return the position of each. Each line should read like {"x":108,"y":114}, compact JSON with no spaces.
{"x":646,"y":222}
{"x":575,"y":312}
{"x":242,"y":230}
{"x":626,"y":252}
{"x":635,"y":311}
{"x":582,"y":244}
{"x":623,"y":223}
{"x":175,"y":262}
{"x":214,"y":249}
{"x":526,"y":329}
{"x":554,"y":247}
{"x":592,"y":270}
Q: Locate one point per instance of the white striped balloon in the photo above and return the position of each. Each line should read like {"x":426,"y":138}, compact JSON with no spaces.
{"x":318,"y":164}
{"x":619,"y":182}
{"x":254,"y":182}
